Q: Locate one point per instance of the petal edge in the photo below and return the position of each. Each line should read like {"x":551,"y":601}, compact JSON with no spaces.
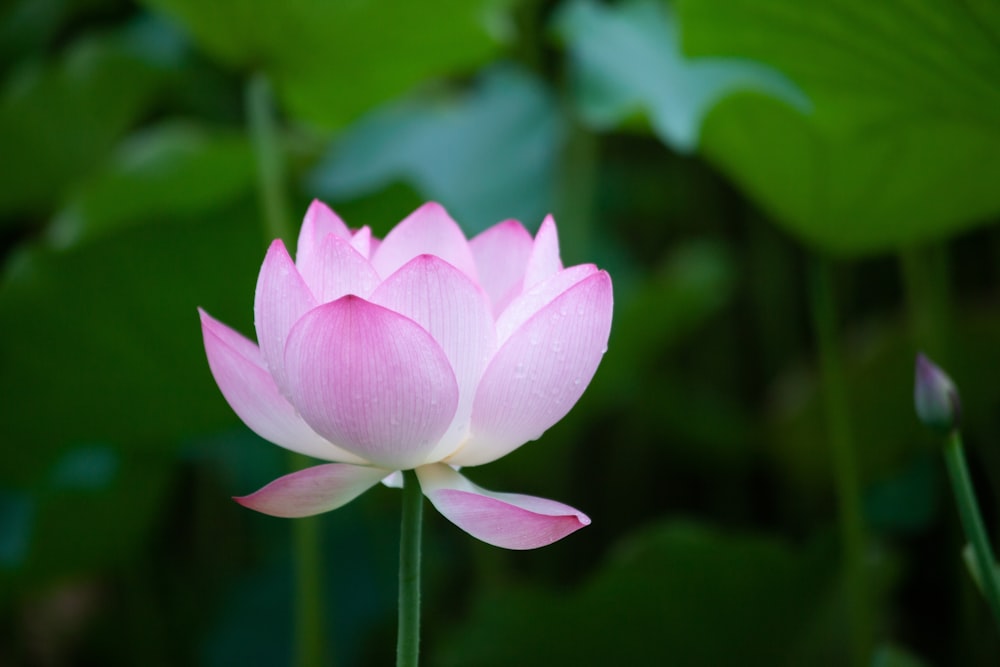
{"x":311,"y":491}
{"x":506,"y":520}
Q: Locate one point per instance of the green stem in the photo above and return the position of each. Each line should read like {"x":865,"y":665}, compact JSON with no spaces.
{"x":310,"y":643}
{"x":270,"y":166}
{"x":408,"y":643}
{"x":972,"y":521}
{"x":310,"y":640}
{"x":845,"y":468}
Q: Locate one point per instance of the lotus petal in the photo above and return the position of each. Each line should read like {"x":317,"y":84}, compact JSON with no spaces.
{"x":282,"y":297}
{"x":428,"y":230}
{"x":372,"y":381}
{"x":249,"y":389}
{"x":456,"y":312}
{"x":507,"y":520}
{"x":501,"y":253}
{"x":544,"y":261}
{"x":314,"y":490}
{"x":340,"y":270}
{"x":540,"y":372}
{"x":527,"y":304}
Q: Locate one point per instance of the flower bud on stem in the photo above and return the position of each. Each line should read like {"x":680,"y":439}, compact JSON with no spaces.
{"x":935,"y":398}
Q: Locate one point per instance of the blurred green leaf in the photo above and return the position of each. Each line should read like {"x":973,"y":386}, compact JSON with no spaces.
{"x":175,"y":169}
{"x":878,"y":366}
{"x":330,"y":61}
{"x":59,"y":120}
{"x":17,"y":510}
{"x":27,"y":27}
{"x":101,"y":343}
{"x":627,"y":61}
{"x":674,"y":594}
{"x":972,"y":565}
{"x":89,"y":510}
{"x":487,"y":155}
{"x":907,"y":502}
{"x":903,"y":144}
{"x":890,"y":655}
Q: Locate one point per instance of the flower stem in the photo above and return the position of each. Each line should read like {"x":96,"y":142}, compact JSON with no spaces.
{"x":408,"y":643}
{"x":270,"y":166}
{"x":845,"y":468}
{"x":310,"y":644}
{"x":972,"y":521}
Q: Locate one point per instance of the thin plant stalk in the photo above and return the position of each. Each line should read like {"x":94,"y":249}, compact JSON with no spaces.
{"x":844,"y":459}
{"x":310,"y":644}
{"x":972,"y":521}
{"x":270,"y":164}
{"x":408,"y":642}
{"x":925,"y":273}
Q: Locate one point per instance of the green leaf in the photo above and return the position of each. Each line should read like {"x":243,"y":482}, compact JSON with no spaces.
{"x":332,"y":60}
{"x":59,"y":120}
{"x":903,"y":143}
{"x":626,"y":60}
{"x":176,"y":169}
{"x":90,"y":510}
{"x":666,"y":597}
{"x":488,"y":154}
{"x":890,"y":655}
{"x":101,"y":343}
{"x":891,"y":441}
{"x":972,"y":565}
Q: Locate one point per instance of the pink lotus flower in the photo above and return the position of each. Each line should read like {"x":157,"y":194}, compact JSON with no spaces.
{"x":424,"y":351}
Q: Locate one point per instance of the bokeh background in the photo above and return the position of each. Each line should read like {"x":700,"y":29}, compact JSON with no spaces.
{"x":757,"y":175}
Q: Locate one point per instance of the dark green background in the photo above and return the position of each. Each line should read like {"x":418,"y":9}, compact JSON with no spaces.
{"x":706,"y":153}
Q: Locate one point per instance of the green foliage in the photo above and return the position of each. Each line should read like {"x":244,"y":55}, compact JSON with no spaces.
{"x":486,"y":155}
{"x":110,"y":353}
{"x":177,"y":170}
{"x":333,"y":60}
{"x":666,"y":596}
{"x":678,"y":145}
{"x":627,"y":60}
{"x":59,"y":120}
{"x":905,"y":103}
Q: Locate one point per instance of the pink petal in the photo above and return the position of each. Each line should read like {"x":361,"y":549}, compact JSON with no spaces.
{"x":501,"y":253}
{"x":239,"y":371}
{"x":527,"y":304}
{"x":456,"y":312}
{"x":428,"y":230}
{"x":540,"y":372}
{"x":340,"y":270}
{"x":362,"y":242}
{"x":507,"y":520}
{"x":371,"y":380}
{"x":318,"y":223}
{"x":318,"y":489}
{"x":282,"y":297}
{"x":544,"y":261}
